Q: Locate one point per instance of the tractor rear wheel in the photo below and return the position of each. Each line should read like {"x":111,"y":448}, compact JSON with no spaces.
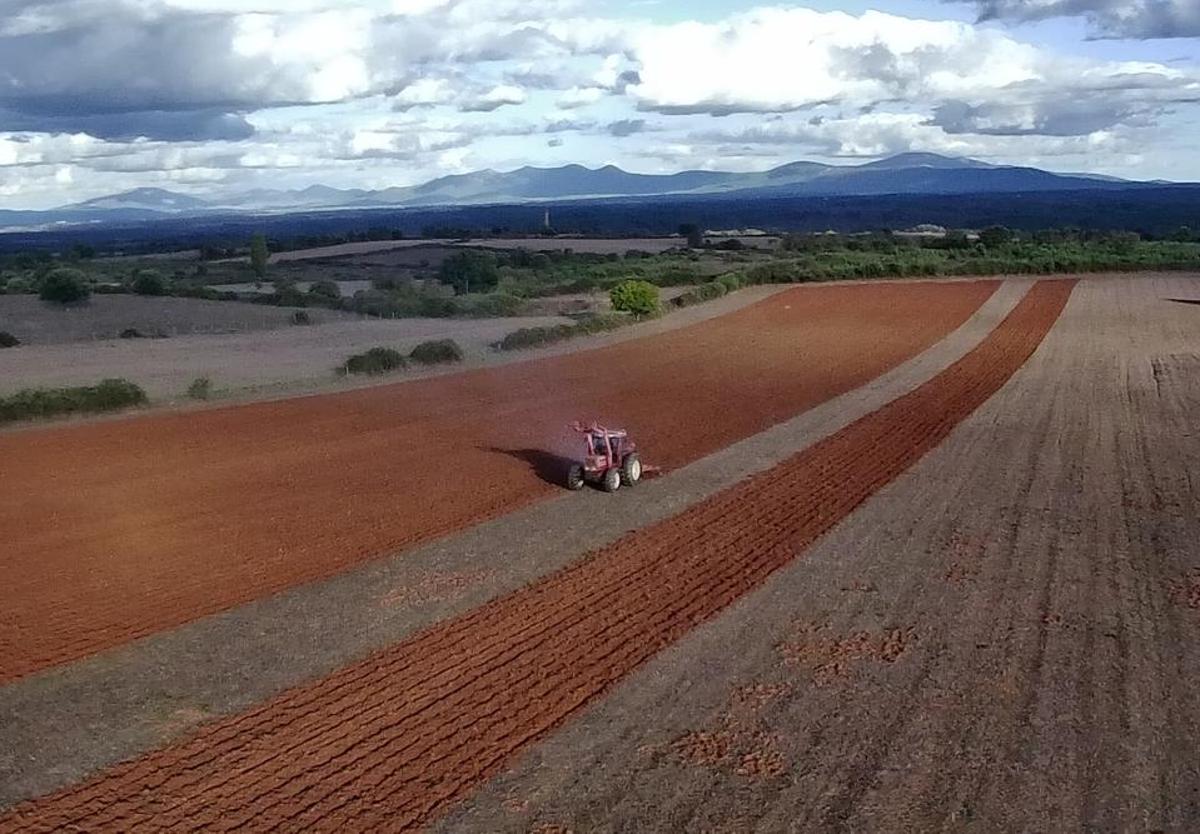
{"x":575,"y":477}
{"x":612,"y":480}
{"x":631,"y":469}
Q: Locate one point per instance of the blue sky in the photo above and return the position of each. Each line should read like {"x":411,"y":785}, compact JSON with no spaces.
{"x":212,"y":97}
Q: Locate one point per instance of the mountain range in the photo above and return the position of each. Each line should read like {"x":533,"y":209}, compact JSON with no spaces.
{"x":911,"y":173}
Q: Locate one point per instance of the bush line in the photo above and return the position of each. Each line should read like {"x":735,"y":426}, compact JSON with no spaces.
{"x":35,"y":403}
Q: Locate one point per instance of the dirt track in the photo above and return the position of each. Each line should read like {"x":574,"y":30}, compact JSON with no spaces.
{"x":193,"y":513}
{"x":389,"y":742}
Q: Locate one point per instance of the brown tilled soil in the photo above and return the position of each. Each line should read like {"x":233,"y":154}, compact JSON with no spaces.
{"x":1006,"y":638}
{"x":72,"y":721}
{"x":390,"y":742}
{"x":116,"y":530}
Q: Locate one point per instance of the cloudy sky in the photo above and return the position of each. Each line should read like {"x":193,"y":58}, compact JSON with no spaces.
{"x":217,"y":96}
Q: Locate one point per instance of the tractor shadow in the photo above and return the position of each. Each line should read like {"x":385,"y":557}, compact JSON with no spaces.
{"x":548,"y":466}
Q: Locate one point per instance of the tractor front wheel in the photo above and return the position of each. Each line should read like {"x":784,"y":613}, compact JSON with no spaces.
{"x":575,"y":477}
{"x":612,"y":480}
{"x":631,"y":469}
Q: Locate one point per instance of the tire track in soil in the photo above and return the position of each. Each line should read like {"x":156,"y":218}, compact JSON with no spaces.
{"x":390,"y":742}
{"x":186,"y":515}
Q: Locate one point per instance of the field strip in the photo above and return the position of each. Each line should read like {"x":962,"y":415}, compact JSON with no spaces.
{"x":66,"y":723}
{"x":393,"y":740}
{"x":299,"y":361}
{"x":118,"y":530}
{"x":1036,"y":565}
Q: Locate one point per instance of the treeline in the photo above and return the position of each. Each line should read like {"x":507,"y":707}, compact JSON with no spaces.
{"x":482,"y":283}
{"x":993,"y":251}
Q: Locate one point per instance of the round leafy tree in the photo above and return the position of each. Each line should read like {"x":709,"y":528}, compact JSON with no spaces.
{"x":637,"y":297}
{"x":149,"y":282}
{"x":64,"y":286}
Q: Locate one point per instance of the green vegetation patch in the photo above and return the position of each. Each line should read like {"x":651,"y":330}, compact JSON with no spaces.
{"x":64,"y":286}
{"x":437,"y":351}
{"x":377,"y":360}
{"x":35,"y":403}
{"x":637,"y":297}
{"x":532,"y":337}
{"x":200,"y":389}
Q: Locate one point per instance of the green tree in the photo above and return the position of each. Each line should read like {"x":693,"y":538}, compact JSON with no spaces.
{"x":64,"y":286}
{"x":470,"y":271}
{"x":695,"y":237}
{"x":259,"y":254}
{"x":149,"y":282}
{"x":1123,"y":242}
{"x":995,"y":236}
{"x":633,"y":296}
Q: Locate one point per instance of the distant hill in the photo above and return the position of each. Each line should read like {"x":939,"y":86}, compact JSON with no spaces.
{"x":1150,"y":209}
{"x":148,"y":199}
{"x":910,"y":173}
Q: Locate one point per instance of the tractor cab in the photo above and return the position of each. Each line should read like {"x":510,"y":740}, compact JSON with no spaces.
{"x":610,"y":458}
{"x":599,"y":444}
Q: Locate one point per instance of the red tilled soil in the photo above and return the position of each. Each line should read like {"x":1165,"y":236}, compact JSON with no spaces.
{"x":390,"y":742}
{"x":115,"y":530}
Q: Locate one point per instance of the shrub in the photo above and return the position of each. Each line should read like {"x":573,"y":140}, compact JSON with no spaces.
{"x":637,"y":297}
{"x":675,"y":275}
{"x":470,"y":271}
{"x":377,"y":360}
{"x":289,"y":296}
{"x":531,"y":337}
{"x":387,"y":282}
{"x":8,"y":340}
{"x":201,"y":291}
{"x":704,"y":292}
{"x":17,"y":286}
{"x":64,"y":286}
{"x":109,"y":395}
{"x":437,"y":351}
{"x":776,"y":272}
{"x":490,"y":305}
{"x":326,"y":289}
{"x":200,"y":389}
{"x":599,"y":323}
{"x":731,"y":281}
{"x":149,"y":282}
{"x":995,"y":236}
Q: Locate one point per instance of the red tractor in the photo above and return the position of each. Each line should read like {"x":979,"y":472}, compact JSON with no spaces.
{"x":610,"y":459}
